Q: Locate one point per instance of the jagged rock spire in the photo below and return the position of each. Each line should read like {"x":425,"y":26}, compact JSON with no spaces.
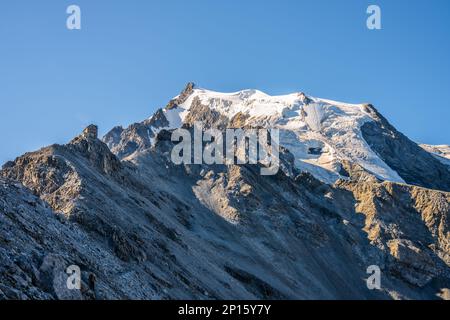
{"x":189,"y":87}
{"x":90,"y":132}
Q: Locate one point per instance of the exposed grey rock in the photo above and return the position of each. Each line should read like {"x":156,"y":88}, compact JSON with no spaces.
{"x":412,"y":163}
{"x":90,"y":132}
{"x":113,"y":137}
{"x":209,"y":118}
{"x":182,"y":97}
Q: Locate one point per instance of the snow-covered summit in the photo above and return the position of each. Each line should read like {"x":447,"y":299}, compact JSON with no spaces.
{"x":254,"y":103}
{"x":320,"y":133}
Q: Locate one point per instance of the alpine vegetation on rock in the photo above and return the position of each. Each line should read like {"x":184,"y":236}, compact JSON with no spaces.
{"x":352,"y":194}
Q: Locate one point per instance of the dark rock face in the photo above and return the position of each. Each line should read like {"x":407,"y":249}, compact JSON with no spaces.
{"x":410,"y":161}
{"x":391,"y":212}
{"x":95,"y":151}
{"x":113,"y":137}
{"x":139,"y":136}
{"x":315,"y":151}
{"x":37,"y":247}
{"x":209,"y":118}
{"x":158,"y":120}
{"x":91,"y":132}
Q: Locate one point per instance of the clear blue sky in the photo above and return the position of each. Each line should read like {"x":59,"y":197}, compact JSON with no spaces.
{"x":133,"y":56}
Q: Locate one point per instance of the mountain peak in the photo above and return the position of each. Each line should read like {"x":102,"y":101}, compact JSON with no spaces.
{"x":320,"y":133}
{"x":90,"y":132}
{"x":181,"y":98}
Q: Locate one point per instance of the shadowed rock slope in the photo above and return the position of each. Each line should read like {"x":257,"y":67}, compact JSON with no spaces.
{"x":414,"y":164}
{"x":146,"y":229}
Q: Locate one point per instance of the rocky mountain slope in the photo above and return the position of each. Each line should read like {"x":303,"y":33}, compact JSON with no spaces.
{"x":442,"y":152}
{"x":352,"y":192}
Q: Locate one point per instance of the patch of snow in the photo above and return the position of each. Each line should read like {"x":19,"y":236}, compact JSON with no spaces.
{"x":174,"y":118}
{"x":440,"y":152}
